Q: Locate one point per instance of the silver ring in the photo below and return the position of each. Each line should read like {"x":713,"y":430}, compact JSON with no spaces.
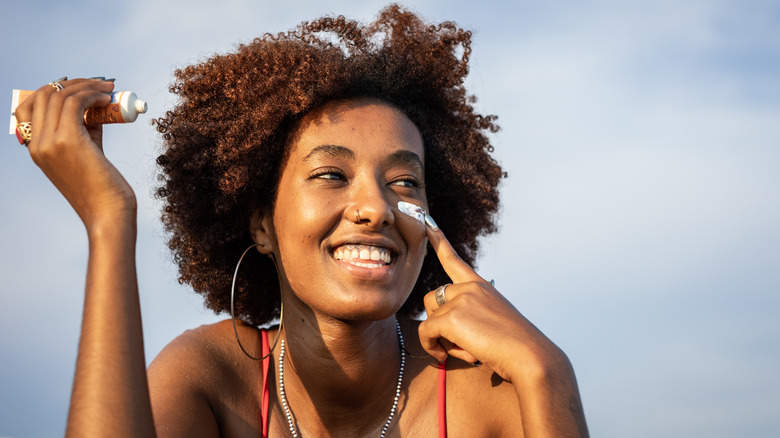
{"x":441,"y":298}
{"x":57,"y":86}
{"x":357,"y":215}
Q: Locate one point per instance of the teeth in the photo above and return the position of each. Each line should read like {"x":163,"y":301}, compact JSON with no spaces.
{"x":363,"y":255}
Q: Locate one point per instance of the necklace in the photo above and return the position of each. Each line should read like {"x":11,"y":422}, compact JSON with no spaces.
{"x":288,"y":413}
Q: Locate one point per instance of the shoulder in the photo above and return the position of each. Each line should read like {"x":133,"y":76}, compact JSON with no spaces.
{"x":481,"y":395}
{"x":200,"y":348}
{"x":188,"y":380}
{"x":478,"y":401}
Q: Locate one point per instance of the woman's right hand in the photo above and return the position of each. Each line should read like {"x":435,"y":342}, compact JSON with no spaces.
{"x":110,"y":390}
{"x":71,"y":154}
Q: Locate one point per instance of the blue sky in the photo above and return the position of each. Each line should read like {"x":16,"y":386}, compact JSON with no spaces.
{"x":640,"y":222}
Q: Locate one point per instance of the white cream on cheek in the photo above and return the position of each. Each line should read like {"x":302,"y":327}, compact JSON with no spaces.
{"x":412,"y":210}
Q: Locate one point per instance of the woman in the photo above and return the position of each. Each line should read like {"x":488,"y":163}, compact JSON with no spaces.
{"x":310,"y":161}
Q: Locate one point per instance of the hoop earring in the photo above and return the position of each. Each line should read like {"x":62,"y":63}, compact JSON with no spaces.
{"x":232,"y":308}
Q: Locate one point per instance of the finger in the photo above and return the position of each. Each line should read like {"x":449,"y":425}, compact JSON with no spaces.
{"x":430,"y":343}
{"x":62,"y":122}
{"x":70,"y":110}
{"x":62,"y":103}
{"x":450,"y":291}
{"x":436,"y":343}
{"x":36,"y":109}
{"x":454,"y":266}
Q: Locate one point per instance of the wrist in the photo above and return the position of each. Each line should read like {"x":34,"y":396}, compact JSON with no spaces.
{"x":117,"y":224}
{"x":537,"y":367}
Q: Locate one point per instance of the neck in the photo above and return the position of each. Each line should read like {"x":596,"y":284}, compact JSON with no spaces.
{"x":338,"y":374}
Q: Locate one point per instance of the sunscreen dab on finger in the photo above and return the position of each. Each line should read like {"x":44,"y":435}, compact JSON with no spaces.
{"x":123,"y":108}
{"x":412,"y":210}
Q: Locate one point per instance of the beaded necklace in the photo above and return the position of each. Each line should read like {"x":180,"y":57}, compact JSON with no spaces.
{"x":288,"y":413}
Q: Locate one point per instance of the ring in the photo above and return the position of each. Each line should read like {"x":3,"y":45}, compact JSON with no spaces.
{"x":56,"y":85}
{"x":24,"y":132}
{"x":357,"y":215}
{"x":441,"y":299}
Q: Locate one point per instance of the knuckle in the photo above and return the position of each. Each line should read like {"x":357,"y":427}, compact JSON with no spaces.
{"x":428,"y":300}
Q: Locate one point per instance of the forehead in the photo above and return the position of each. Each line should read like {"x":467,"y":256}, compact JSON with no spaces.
{"x":366,"y":127}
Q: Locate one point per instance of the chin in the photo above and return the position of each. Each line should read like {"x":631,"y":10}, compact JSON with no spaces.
{"x":362,"y":310}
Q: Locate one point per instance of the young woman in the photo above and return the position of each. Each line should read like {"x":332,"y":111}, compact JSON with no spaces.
{"x":301,"y":175}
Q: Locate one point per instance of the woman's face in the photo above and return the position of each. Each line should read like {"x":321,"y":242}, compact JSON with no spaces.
{"x":344,"y":248}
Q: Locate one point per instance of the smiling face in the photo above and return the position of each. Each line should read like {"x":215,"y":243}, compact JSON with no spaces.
{"x":343,"y":247}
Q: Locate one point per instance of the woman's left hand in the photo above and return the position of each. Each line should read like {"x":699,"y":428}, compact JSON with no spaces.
{"x":476,"y":323}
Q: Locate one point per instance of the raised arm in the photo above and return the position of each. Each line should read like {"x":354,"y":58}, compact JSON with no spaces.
{"x":110,"y":393}
{"x":477,"y":323}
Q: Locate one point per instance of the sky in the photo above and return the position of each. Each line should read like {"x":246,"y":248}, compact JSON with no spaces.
{"x":640,"y":227}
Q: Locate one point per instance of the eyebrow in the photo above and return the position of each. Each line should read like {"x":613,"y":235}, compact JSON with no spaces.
{"x":397,"y":158}
{"x":405,"y":158}
{"x":329,"y":150}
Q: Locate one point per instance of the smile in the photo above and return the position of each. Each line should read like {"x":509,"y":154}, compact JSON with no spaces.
{"x":365,"y":256}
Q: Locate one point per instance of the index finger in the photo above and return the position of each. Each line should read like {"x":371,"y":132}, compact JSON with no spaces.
{"x":458,"y":270}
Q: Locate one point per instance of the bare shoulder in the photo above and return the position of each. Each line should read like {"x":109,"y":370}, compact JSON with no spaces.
{"x":196,"y":379}
{"x":193,"y":352}
{"x":480,"y":399}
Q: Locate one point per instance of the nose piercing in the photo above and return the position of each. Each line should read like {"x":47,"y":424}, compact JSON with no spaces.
{"x":357,"y":215}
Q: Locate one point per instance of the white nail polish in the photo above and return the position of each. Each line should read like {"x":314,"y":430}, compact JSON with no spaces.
{"x":430,"y":222}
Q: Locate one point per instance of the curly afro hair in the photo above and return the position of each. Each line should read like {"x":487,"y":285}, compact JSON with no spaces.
{"x":224,"y":143}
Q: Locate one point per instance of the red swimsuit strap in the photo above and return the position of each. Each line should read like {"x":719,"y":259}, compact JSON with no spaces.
{"x":442,"y":399}
{"x":266,"y":396}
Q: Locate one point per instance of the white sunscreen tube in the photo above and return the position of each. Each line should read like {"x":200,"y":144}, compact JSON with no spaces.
{"x":123,"y":108}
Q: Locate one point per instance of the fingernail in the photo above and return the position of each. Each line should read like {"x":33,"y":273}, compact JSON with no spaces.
{"x":110,"y":79}
{"x":64,"y":78}
{"x":476,"y":364}
{"x":102,"y":78}
{"x":430,"y":222}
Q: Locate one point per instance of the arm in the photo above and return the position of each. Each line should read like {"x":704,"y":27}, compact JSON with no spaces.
{"x":110,"y":394}
{"x":478,"y":323}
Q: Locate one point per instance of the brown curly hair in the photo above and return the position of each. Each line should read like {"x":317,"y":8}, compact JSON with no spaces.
{"x":224,"y":142}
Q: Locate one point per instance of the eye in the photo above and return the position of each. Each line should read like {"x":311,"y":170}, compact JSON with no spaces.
{"x":328,"y":174}
{"x":406,"y":181}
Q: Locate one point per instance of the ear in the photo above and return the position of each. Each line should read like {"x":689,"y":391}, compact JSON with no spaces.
{"x":261,"y":227}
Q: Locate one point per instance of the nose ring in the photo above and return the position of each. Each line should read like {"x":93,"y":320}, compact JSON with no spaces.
{"x":357,"y":215}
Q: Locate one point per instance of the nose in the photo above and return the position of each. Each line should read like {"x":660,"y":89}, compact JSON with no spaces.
{"x":370,"y":205}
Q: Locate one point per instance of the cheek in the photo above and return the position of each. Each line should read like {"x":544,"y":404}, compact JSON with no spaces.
{"x":414,"y":235}
{"x":305,"y":220}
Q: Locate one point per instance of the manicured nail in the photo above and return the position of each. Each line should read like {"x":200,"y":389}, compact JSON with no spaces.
{"x":64,"y":78}
{"x":430,"y":222}
{"x":102,"y":78}
{"x":110,"y":79}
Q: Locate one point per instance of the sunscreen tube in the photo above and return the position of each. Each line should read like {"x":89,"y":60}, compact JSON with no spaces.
{"x":123,"y":108}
